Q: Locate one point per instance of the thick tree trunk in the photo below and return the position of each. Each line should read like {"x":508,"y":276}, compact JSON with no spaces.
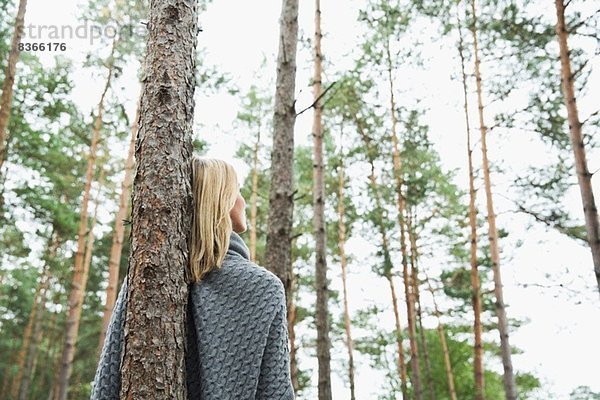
{"x":510,"y":387}
{"x":254,"y":197}
{"x":9,"y":79}
{"x":155,"y":323}
{"x":119,"y":232}
{"x":281,"y":201}
{"x":387,"y":261}
{"x":77,"y":282}
{"x":583,"y":174}
{"x":343,"y":262}
{"x":409,"y":295}
{"x":475,"y":285}
{"x":76,"y":298}
{"x":322,"y":309}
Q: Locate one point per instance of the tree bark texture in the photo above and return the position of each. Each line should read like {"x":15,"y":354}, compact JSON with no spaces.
{"x":343,"y":263}
{"x":154,"y":348}
{"x":475,"y":284}
{"x":119,"y":232}
{"x":510,"y":387}
{"x":322,"y":309}
{"x":9,"y":79}
{"x":281,"y":201}
{"x":584,"y":177}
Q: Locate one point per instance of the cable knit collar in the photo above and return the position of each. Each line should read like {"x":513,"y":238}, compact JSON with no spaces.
{"x":237,"y":245}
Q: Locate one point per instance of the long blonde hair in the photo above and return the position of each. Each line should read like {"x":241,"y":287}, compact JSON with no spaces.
{"x":214,"y":188}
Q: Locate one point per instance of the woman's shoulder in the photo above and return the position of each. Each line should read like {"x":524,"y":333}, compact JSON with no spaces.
{"x":241,"y":274}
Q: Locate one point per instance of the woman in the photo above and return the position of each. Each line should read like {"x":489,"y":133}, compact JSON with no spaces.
{"x":237,"y":330}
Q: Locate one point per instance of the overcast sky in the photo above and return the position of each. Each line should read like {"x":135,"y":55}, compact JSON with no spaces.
{"x":559,"y":338}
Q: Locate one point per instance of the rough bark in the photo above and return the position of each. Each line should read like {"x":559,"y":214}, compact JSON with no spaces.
{"x":343,"y":263}
{"x":387,"y":260}
{"x":76,"y":298}
{"x":281,"y":201}
{"x":510,"y":387}
{"x":322,"y":309}
{"x":119,"y":232}
{"x":409,"y":295}
{"x":584,"y":177}
{"x":9,"y":78}
{"x":475,"y":285}
{"x":155,"y":323}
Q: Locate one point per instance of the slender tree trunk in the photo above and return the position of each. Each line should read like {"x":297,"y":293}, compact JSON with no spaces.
{"x":387,"y":261}
{"x":254,"y":197}
{"x":119,"y":232}
{"x":442,"y":335}
{"x":48,"y":361}
{"x":9,"y":79}
{"x":510,"y":387}
{"x":157,"y":290}
{"x":76,"y":299}
{"x":322,"y":309}
{"x":7,"y":370}
{"x":291,"y":318}
{"x":475,"y":285}
{"x":419,"y":316}
{"x":410,"y":301}
{"x":583,"y":174}
{"x":281,"y":201}
{"x":36,"y":336}
{"x":16,"y":383}
{"x":77,"y":280}
{"x":343,"y":262}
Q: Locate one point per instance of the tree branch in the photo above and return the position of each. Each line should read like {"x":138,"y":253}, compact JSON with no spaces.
{"x":317,"y":99}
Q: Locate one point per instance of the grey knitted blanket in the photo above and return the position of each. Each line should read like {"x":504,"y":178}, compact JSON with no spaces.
{"x":237,"y":335}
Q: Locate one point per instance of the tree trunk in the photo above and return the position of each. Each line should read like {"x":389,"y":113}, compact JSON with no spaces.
{"x":510,"y":387}
{"x":291,"y":318}
{"x":583,"y":174}
{"x":475,"y":285}
{"x":322,"y":309}
{"x":36,"y":336}
{"x":419,"y":316}
{"x":442,"y":335}
{"x":119,"y":232}
{"x":343,"y":262}
{"x":48,"y":361}
{"x":254,"y":198}
{"x":16,"y":383}
{"x":387,"y":261}
{"x":76,"y":298}
{"x":281,"y":201}
{"x":12,"y":355}
{"x":77,"y":280}
{"x":9,"y":79}
{"x":154,"y":346}
{"x":410,"y":301}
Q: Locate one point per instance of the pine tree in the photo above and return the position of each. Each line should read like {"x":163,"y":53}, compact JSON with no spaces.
{"x":155,"y":322}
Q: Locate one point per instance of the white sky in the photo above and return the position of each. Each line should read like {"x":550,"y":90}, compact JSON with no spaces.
{"x":559,"y":340}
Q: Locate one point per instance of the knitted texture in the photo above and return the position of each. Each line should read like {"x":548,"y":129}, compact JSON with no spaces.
{"x":237,"y":343}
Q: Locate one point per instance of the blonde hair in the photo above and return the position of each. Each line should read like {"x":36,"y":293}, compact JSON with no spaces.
{"x":214,"y":188}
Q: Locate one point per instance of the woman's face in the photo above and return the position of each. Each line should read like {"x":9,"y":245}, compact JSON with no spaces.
{"x":238,"y":214}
